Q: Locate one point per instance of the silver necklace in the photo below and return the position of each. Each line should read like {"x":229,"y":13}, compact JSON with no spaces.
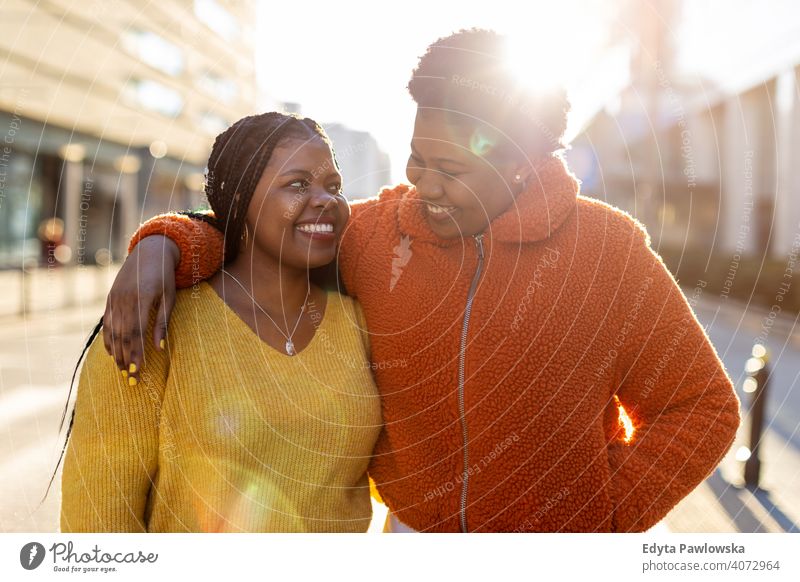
{"x":289,"y":343}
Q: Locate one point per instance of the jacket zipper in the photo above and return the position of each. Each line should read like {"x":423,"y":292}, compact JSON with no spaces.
{"x":461,"y":406}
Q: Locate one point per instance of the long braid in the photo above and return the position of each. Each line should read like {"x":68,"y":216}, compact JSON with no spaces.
{"x":249,"y":177}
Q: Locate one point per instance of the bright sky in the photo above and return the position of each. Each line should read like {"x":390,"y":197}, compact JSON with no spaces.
{"x":736,"y":43}
{"x":349,"y":61}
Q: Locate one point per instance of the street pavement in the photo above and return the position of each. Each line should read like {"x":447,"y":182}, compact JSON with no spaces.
{"x":38,"y":352}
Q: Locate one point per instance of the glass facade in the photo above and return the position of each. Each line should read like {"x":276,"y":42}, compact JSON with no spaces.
{"x":20,"y":207}
{"x":108,"y":182}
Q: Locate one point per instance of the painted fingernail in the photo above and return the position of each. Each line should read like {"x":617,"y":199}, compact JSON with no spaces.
{"x":124,"y":373}
{"x":132,"y":368}
{"x":132,"y":381}
{"x":162,"y":343}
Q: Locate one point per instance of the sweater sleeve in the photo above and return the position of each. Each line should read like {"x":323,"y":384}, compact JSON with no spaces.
{"x":112,"y":455}
{"x":674,"y":388}
{"x":201,"y":245}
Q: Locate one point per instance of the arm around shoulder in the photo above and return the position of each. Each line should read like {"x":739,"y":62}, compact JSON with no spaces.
{"x":200,"y":245}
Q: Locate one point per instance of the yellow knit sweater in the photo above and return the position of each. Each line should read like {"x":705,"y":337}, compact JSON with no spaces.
{"x":225,"y":433}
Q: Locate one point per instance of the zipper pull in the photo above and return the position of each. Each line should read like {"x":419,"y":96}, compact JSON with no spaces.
{"x":479,"y":244}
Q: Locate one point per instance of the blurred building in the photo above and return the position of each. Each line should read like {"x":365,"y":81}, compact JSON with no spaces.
{"x":364,"y":166}
{"x":108,"y":111}
{"x":706,"y":159}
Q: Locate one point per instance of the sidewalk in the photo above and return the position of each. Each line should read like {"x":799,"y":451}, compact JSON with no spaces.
{"x":721,"y":504}
{"x":47,"y":289}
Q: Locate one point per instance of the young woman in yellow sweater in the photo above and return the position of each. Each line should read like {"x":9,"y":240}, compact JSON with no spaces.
{"x":259,"y":413}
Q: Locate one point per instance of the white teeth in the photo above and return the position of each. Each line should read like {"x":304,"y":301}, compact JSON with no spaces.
{"x":440,"y":209}
{"x":315,"y":227}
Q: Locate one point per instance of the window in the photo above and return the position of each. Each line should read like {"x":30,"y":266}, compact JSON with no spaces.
{"x":157,"y":52}
{"x":214,"y":16}
{"x":220,"y":89}
{"x":153,"y":96}
{"x":212,"y":123}
{"x":20,"y":206}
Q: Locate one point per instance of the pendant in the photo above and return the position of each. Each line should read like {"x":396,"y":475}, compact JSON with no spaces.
{"x":290,"y":348}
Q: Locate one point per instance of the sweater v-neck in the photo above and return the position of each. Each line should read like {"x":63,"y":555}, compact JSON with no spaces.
{"x":228,"y":313}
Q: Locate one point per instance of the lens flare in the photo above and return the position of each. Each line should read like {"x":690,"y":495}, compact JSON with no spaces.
{"x":481,"y":144}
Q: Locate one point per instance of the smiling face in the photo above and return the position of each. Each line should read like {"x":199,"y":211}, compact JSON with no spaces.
{"x":462,"y":186}
{"x":298,"y":213}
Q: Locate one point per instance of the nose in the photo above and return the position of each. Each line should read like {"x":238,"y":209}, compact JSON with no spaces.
{"x":322,"y":198}
{"x":429,"y":186}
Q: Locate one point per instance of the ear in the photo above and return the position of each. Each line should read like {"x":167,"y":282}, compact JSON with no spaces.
{"x":521,"y":174}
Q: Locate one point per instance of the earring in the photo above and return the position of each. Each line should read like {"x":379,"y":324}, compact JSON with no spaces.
{"x":518,"y":178}
{"x":245,"y":235}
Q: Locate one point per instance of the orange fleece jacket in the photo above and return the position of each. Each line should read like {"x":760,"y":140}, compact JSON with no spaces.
{"x":573,"y":314}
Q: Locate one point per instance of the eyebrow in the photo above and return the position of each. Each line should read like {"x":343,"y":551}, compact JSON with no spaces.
{"x":295,"y":172}
{"x":440,"y":160}
{"x":309,"y":175}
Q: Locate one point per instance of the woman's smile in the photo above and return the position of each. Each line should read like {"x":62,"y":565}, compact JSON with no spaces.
{"x":440,"y":214}
{"x":322,"y":230}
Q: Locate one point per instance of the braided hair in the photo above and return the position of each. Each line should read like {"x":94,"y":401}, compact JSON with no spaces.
{"x":238,"y":159}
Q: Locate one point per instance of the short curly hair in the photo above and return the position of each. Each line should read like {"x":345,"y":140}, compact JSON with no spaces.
{"x":466,"y":74}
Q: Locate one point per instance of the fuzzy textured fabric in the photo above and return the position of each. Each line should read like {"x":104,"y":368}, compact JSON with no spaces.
{"x":573,"y":316}
{"x":196,"y":255}
{"x":224,"y":433}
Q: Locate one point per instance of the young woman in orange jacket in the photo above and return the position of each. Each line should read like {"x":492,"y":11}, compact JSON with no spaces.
{"x":539,"y":367}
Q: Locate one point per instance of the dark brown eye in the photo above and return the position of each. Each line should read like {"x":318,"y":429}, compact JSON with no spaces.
{"x":300,"y":185}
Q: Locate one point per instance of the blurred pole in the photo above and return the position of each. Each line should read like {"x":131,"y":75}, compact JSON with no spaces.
{"x":756,"y":383}
{"x":24,"y":292}
{"x":71,"y":188}
{"x":127,"y":195}
{"x":102,"y":259}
